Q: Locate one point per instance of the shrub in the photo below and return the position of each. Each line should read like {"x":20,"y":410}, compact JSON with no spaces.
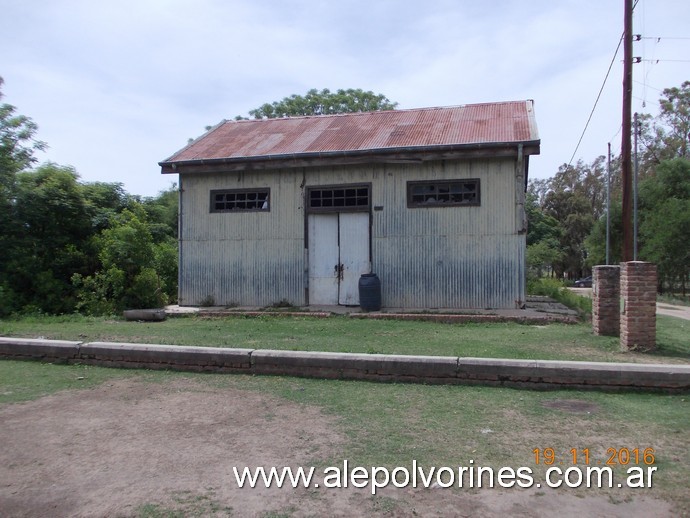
{"x":558,"y":291}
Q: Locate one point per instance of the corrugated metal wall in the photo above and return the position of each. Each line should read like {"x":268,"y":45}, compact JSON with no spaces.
{"x":435,"y":257}
{"x":250,"y":258}
{"x":449,"y":257}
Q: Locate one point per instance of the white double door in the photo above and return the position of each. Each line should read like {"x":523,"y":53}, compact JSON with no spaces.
{"x":338,"y":256}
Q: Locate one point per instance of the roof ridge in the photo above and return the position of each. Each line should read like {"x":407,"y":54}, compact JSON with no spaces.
{"x":374,"y":112}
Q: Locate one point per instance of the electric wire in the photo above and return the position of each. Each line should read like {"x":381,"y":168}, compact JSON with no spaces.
{"x":596,"y":102}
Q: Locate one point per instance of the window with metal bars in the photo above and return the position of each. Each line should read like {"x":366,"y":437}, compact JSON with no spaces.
{"x":443,"y":193}
{"x":240,"y":200}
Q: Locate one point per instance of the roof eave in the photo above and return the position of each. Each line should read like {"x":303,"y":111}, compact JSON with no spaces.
{"x":385,"y":155}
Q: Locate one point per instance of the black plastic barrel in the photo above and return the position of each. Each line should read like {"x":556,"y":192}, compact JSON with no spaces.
{"x":370,"y":292}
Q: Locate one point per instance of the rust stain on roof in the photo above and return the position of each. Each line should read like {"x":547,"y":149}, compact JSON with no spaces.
{"x":505,"y":122}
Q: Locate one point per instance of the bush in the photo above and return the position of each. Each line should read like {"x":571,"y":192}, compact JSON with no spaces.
{"x":146,"y":291}
{"x":558,"y":291}
{"x":100,"y":294}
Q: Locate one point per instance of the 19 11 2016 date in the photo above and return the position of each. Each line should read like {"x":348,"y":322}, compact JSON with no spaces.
{"x":613,"y":456}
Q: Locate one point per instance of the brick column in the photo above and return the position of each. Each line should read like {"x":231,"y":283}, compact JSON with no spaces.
{"x":638,"y":316}
{"x":606,"y":303}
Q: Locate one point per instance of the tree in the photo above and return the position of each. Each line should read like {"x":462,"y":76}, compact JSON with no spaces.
{"x":17,"y":142}
{"x":665,"y":222}
{"x":675,"y":114}
{"x":51,"y":227}
{"x":127,"y":277}
{"x":323,"y":102}
{"x":666,"y":136}
{"x":574,"y":199}
{"x":163,"y":213}
{"x":104,"y":201}
{"x":595,"y":243}
{"x":543,"y":233}
{"x":17,"y":147}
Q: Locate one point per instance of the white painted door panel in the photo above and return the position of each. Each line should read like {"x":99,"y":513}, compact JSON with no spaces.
{"x":354,"y":254}
{"x":323,"y":257}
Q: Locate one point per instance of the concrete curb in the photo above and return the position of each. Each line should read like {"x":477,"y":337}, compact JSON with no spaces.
{"x":38,"y":349}
{"x":450,"y":318}
{"x":535,"y":374}
{"x":151,"y":356}
{"x":381,"y":367}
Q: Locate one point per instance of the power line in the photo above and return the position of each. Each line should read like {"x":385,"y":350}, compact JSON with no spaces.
{"x":657,"y":38}
{"x":640,"y":60}
{"x":647,"y":86}
{"x":608,"y":72}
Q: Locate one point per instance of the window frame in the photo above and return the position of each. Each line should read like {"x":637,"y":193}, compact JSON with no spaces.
{"x":338,"y":187}
{"x":255,"y":190}
{"x":411,"y":204}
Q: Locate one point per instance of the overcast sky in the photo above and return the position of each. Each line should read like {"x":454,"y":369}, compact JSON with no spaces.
{"x":116,"y":87}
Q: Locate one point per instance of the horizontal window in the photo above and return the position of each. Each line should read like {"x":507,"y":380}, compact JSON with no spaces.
{"x":347,"y":198}
{"x":443,"y":193}
{"x":240,"y":200}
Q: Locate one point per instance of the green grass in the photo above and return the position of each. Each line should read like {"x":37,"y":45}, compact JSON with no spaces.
{"x":24,"y":381}
{"x":185,"y":505}
{"x":558,"y":291}
{"x":343,"y":334}
{"x":393,"y":424}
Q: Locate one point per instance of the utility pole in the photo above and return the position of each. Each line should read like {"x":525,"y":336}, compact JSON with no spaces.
{"x":608,"y":206}
{"x":636,"y":129}
{"x":626,"y":169}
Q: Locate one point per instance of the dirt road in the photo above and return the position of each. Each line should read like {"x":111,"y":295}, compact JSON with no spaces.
{"x":132,"y":447}
{"x":662,"y":308}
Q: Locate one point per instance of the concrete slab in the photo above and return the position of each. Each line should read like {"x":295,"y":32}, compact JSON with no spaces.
{"x":537,"y":310}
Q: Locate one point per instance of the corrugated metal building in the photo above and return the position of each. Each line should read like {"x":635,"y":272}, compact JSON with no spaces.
{"x":296,"y":209}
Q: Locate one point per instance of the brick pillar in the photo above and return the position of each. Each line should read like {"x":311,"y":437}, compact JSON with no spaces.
{"x":606,"y":303}
{"x":638,"y":315}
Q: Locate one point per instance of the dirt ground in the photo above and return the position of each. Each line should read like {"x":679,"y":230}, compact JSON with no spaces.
{"x":137,"y":448}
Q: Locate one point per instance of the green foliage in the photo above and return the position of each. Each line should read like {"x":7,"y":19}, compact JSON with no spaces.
{"x":101,"y":293}
{"x":544,"y":234}
{"x":145,"y":291}
{"x":69,"y":245}
{"x":165,"y":262}
{"x":665,"y":222}
{"x":675,"y":113}
{"x":324,"y":102}
{"x":162,"y":212}
{"x":104,"y":201}
{"x":129,"y":278}
{"x":542,"y":226}
{"x":542,"y":255}
{"x":558,"y":291}
{"x":127,"y":244}
{"x":570,"y":207}
{"x":45,"y":246}
{"x":8,"y":300}
{"x":595,"y":243}
{"x":17,"y":142}
{"x":561,"y":212}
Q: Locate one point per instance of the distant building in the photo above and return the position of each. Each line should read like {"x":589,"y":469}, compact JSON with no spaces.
{"x":296,"y":209}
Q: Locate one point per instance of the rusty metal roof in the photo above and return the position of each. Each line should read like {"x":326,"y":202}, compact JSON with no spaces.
{"x":420,"y":129}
